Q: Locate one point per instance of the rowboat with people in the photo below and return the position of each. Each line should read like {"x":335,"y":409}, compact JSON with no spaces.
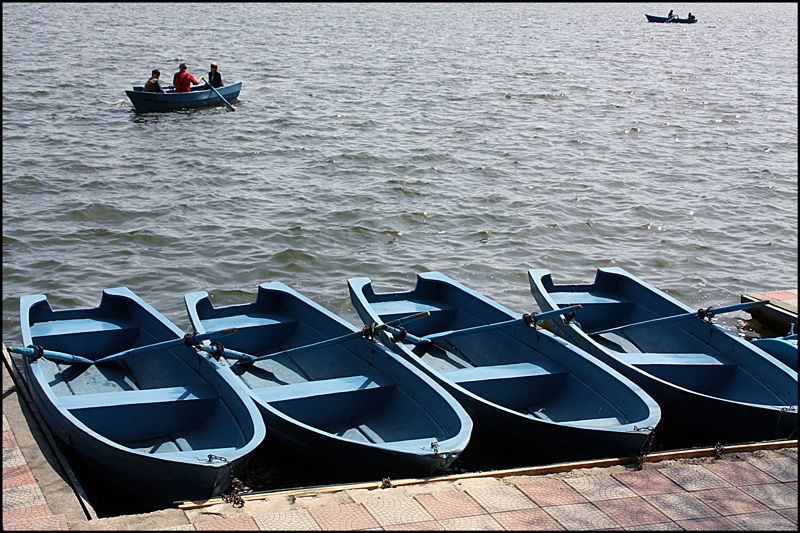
{"x":169,"y":100}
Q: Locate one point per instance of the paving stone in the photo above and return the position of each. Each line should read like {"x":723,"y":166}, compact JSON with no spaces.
{"x":390,"y":512}
{"x":629,"y":512}
{"x":497,"y":499}
{"x":790,"y":514}
{"x":648,"y":481}
{"x":431,"y":525}
{"x":8,"y":440}
{"x":681,"y":506}
{"x":294,"y":520}
{"x":595,"y":488}
{"x":348,"y":516}
{"x":740,"y":473}
{"x":471,"y":523}
{"x":6,"y":425}
{"x":13,"y":457}
{"x":729,"y":501}
{"x":768,"y":520}
{"x":27,"y":512}
{"x":534,"y":519}
{"x":663,"y":526}
{"x":718,"y":523}
{"x":774,"y":495}
{"x":781,"y":468}
{"x":581,"y":516}
{"x":24,"y":496}
{"x":17,"y":476}
{"x":694,"y":477}
{"x":443,"y":506}
{"x":47,"y":523}
{"x":239,"y":523}
{"x":551,"y":492}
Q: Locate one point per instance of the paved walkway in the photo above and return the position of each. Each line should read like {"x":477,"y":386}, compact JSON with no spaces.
{"x":739,"y":491}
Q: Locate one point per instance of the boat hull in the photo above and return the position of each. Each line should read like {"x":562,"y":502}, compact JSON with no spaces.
{"x":171,"y":101}
{"x":178,"y":406}
{"x":653,"y":18}
{"x":351,"y":405}
{"x":712,"y":386}
{"x":524,"y":388}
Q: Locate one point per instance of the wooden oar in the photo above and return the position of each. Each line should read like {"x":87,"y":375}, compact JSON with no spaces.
{"x":193,"y":339}
{"x":336,"y":340}
{"x":35,"y":352}
{"x":700,"y":313}
{"x":533,"y":319}
{"x":221,"y":97}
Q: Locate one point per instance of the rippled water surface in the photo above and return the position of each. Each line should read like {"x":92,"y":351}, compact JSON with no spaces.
{"x":383,"y":140}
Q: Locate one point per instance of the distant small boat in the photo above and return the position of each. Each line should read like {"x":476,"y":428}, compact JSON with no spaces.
{"x":525,"y":388}
{"x":712,"y":385}
{"x":653,"y":18}
{"x":161,"y":425}
{"x":350,"y":403}
{"x":169,"y":100}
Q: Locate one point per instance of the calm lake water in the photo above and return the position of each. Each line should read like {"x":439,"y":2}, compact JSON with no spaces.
{"x":384,"y":140}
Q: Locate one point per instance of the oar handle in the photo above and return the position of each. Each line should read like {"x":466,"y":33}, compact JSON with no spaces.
{"x":366,"y":331}
{"x":35,"y":352}
{"x":700,"y":313}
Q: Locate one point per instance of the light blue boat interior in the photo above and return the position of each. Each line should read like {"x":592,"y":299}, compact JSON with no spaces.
{"x":355,"y":389}
{"x":689,"y":353}
{"x":158,"y":402}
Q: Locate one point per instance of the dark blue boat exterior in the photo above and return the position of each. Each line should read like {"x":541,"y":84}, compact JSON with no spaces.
{"x":712,"y":386}
{"x":353,"y":405}
{"x":653,"y":18}
{"x":524,"y":388}
{"x":170,"y":100}
{"x":154,"y":426}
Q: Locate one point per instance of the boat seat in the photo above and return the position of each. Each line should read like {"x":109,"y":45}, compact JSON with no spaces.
{"x":684,"y":359}
{"x":586,"y":298}
{"x":513,"y":386}
{"x":138,"y":397}
{"x":241,"y":322}
{"x":393,"y":310}
{"x":81,"y":325}
{"x":597,"y":308}
{"x":323,"y":387}
{"x":498,"y":372}
{"x":694,"y":371}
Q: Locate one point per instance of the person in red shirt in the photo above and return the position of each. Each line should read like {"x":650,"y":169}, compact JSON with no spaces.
{"x":182,"y":79}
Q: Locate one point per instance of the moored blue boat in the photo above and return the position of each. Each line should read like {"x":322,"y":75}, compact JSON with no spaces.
{"x":712,"y":386}
{"x":326,"y":391}
{"x":154,"y":418}
{"x":524,"y":387}
{"x":169,"y":100}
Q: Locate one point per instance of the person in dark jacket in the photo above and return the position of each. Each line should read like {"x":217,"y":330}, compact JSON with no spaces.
{"x":214,"y":77}
{"x":152,"y":85}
